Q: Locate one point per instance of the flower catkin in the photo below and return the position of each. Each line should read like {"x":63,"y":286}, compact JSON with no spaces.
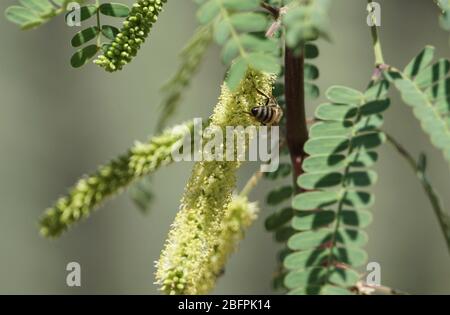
{"x":135,"y":30}
{"x":89,"y":192}
{"x":193,"y":238}
{"x":238,"y":217}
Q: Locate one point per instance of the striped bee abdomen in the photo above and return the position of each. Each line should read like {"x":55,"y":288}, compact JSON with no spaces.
{"x":262,"y":114}
{"x":267,"y":115}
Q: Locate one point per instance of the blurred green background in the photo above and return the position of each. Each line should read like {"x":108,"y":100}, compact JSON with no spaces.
{"x":57,"y":123}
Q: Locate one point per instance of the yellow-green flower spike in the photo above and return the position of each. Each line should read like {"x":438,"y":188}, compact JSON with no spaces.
{"x":135,"y":30}
{"x":196,"y":231}
{"x":238,"y":217}
{"x":91,"y":191}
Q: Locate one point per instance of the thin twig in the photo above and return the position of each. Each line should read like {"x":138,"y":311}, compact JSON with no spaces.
{"x":272,"y":10}
{"x":378,"y":51}
{"x":251,"y":184}
{"x":363,"y":288}
{"x":443,"y":218}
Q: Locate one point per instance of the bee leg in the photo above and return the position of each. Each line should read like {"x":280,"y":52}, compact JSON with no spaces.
{"x":262,"y":93}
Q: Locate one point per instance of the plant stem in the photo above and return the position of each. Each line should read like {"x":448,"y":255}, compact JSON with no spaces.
{"x":251,"y":184}
{"x":378,"y":51}
{"x":442,"y":217}
{"x":99,"y":35}
{"x":272,"y":10}
{"x":234,"y":33}
{"x":296,"y":125}
{"x":366,"y":289}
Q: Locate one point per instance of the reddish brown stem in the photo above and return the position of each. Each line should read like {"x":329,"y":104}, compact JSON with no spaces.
{"x":272,"y":10}
{"x":296,"y":125}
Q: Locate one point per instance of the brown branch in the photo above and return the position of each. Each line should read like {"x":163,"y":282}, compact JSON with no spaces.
{"x":272,"y":10}
{"x":296,"y":125}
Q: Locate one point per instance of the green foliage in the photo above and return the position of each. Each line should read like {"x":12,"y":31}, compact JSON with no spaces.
{"x":444,"y":19}
{"x":311,"y":72}
{"x":191,"y":57}
{"x":135,"y":30}
{"x":321,"y":230}
{"x":114,"y":9}
{"x":329,"y":216}
{"x":141,"y":195}
{"x":238,"y":29}
{"x":279,"y":222}
{"x":425,"y":87}
{"x":419,"y":167}
{"x":83,"y":55}
{"x":90,"y":192}
{"x":33,"y":13}
{"x":306,"y":21}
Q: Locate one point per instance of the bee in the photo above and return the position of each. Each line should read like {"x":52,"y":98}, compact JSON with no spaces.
{"x":269,"y":114}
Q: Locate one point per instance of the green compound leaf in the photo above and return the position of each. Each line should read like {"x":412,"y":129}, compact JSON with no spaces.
{"x":444,"y":18}
{"x":424,"y":86}
{"x":87,"y":12}
{"x":258,"y":61}
{"x":334,"y":144}
{"x":311,"y":72}
{"x":423,"y":59}
{"x":24,"y":17}
{"x":279,"y":219}
{"x":43,"y":8}
{"x":109,"y":31}
{"x":306,"y":21}
{"x":236,"y":72}
{"x":311,"y":51}
{"x":314,"y":200}
{"x":284,"y":170}
{"x":332,"y":179}
{"x":277,"y":196}
{"x":33,"y":13}
{"x":316,"y":276}
{"x":299,"y":260}
{"x":344,"y":95}
{"x":238,"y":30}
{"x":310,"y":220}
{"x":84,"y":36}
{"x":191,"y":58}
{"x":241,"y":5}
{"x":329,"y":216}
{"x":83,"y":55}
{"x":283,"y":234}
{"x":114,"y":9}
{"x":324,"y":236}
{"x":249,"y":22}
{"x":208,"y":11}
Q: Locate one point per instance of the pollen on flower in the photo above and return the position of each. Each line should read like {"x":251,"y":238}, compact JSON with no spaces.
{"x":195,"y":243}
{"x":91,"y":191}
